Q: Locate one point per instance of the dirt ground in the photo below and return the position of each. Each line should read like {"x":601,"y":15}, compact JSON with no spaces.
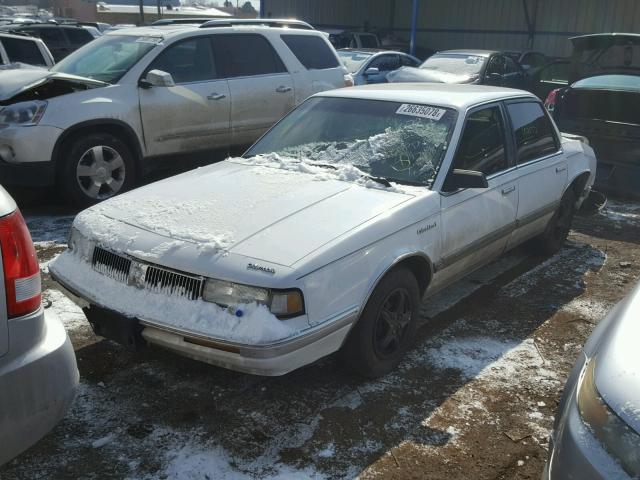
{"x":475,"y":398}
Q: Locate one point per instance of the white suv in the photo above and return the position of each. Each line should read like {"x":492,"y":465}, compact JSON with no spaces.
{"x":94,"y":121}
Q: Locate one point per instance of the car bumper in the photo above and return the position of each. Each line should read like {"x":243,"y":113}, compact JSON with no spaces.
{"x":271,"y":359}
{"x":38,"y":384}
{"x":26,"y":155}
{"x":575,"y":454}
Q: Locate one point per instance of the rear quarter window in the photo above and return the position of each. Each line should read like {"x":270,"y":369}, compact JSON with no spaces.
{"x":78,"y":36}
{"x":25,"y":51}
{"x":312,"y":51}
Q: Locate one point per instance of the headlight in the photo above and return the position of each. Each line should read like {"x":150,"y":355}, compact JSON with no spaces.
{"x":23,"y":113}
{"x":620,"y":440}
{"x":78,"y":243}
{"x":283,"y":303}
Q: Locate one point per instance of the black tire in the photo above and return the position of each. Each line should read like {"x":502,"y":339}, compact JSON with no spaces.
{"x":365,"y":352}
{"x":97,"y":159}
{"x":553,"y":238}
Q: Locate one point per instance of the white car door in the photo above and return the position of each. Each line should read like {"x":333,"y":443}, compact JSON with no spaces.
{"x":477,"y":222}
{"x":542,"y":167}
{"x":262,"y":90}
{"x":193,"y":115}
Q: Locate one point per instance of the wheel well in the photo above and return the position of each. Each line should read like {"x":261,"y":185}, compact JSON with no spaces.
{"x":579,"y":183}
{"x":123,"y":132}
{"x":421,"y":269}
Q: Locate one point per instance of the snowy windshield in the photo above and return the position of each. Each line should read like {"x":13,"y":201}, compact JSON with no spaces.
{"x":107,"y":58}
{"x":455,"y":63}
{"x":353,"y":60}
{"x":398,"y":142}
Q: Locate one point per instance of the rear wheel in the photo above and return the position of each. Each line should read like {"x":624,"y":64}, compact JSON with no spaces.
{"x":386,"y":327}
{"x":95,"y":168}
{"x":553,"y":238}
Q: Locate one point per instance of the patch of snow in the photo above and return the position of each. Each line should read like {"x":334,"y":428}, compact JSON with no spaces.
{"x":588,"y":308}
{"x":257,"y":325}
{"x":622,"y":214}
{"x":101,"y":442}
{"x":71,"y":314}
{"x":328,"y":451}
{"x":48,"y":228}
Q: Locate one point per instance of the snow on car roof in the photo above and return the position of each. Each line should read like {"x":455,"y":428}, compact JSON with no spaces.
{"x":459,"y":97}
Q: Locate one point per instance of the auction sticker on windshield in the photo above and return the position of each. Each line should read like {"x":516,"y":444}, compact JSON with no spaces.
{"x":422,"y":111}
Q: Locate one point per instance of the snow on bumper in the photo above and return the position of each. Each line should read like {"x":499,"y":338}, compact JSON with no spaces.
{"x":257,"y":342}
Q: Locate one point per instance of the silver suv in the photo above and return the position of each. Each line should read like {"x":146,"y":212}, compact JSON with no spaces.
{"x":38,"y":372}
{"x":97,"y":119}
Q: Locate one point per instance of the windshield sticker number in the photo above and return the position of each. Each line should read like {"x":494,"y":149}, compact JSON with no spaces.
{"x":422,"y":111}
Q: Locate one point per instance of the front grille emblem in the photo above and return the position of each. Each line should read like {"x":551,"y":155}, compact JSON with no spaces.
{"x":137,"y":275}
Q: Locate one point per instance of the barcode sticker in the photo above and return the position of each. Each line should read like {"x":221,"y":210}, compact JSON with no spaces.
{"x":422,"y":111}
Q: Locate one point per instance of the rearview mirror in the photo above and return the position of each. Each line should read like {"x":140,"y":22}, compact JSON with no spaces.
{"x":372,"y":71}
{"x":458,"y":178}
{"x":157,"y":78}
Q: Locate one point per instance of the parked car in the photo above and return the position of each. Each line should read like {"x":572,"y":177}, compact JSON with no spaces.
{"x":601,"y":103}
{"x":133,"y":97}
{"x":372,"y":66}
{"x":61,"y":40}
{"x":485,"y":67}
{"x":22,"y":49}
{"x":596,"y":433}
{"x":351,"y":39}
{"x":330,"y":229}
{"x":38,"y":372}
{"x":530,"y":61}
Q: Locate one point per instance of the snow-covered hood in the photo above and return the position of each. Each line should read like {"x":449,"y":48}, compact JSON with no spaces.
{"x":273,"y":214}
{"x":618,"y":362}
{"x":412,"y":74}
{"x":16,"y":81}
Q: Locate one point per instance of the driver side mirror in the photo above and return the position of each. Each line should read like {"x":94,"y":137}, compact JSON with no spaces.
{"x":458,"y":179}
{"x":372,"y":71}
{"x":157,"y":78}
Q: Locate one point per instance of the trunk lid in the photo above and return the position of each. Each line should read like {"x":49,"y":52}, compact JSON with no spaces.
{"x":605,"y":53}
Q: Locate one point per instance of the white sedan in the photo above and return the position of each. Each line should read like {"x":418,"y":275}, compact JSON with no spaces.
{"x":329,"y":231}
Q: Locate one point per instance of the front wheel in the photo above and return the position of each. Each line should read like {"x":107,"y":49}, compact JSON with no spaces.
{"x":553,"y":238}
{"x":95,"y":168}
{"x":386,"y":327}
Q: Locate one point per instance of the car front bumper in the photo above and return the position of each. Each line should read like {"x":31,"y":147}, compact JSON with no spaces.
{"x":574,"y":452}
{"x":38,"y":381}
{"x":26,"y":155}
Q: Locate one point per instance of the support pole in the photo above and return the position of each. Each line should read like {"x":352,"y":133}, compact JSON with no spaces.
{"x":141,"y":3}
{"x":262,"y":7}
{"x":414,"y":27}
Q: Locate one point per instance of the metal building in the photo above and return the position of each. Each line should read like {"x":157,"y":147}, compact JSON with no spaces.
{"x":543,"y":25}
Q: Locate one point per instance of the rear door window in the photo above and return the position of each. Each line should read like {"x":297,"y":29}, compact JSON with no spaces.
{"x":52,"y":36}
{"x":534,"y":134}
{"x":312,"y":51}
{"x":23,"y":50}
{"x":386,"y":63}
{"x":246,"y":55}
{"x":78,"y":36}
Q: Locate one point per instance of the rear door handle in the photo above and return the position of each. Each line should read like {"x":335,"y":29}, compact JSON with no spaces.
{"x":283,"y":89}
{"x":216,"y":96}
{"x":508,"y":190}
{"x":560,"y":169}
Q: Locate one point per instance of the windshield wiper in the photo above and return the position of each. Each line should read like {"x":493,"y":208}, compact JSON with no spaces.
{"x":380,"y":180}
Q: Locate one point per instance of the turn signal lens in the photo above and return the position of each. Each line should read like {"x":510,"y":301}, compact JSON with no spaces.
{"x":287,"y":303}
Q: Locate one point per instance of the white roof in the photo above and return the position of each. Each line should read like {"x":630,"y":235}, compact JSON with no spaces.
{"x":176,"y":11}
{"x":455,"y":96}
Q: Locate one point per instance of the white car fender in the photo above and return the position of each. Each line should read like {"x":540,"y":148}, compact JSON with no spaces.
{"x":581,"y":160}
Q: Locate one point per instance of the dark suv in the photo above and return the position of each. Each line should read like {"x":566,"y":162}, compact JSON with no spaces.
{"x":60,"y":39}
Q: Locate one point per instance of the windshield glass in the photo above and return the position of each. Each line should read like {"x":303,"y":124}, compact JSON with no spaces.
{"x":353,"y":60}
{"x":455,"y":63}
{"x":402,"y":143}
{"x":107,"y":58}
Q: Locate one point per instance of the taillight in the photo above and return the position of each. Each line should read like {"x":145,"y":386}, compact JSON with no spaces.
{"x":550,"y":102}
{"x":20,"y":263}
{"x":348,"y":80}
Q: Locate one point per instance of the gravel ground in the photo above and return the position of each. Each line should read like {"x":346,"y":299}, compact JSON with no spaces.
{"x":475,"y":398}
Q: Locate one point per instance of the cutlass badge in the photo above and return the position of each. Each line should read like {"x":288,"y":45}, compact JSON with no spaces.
{"x":261,"y":268}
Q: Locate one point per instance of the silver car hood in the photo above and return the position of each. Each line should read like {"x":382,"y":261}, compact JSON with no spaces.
{"x":618,"y":362}
{"x":15,"y":81}
{"x":412,"y":74}
{"x":271,"y":214}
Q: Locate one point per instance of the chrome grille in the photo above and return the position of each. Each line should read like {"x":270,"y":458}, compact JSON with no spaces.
{"x":111,"y":264}
{"x":168,"y":282}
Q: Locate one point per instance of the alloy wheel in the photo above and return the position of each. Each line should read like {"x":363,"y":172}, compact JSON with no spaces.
{"x":100,"y":173}
{"x":392,"y":323}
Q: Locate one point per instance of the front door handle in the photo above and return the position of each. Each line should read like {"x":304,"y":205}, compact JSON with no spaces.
{"x":283,"y":89}
{"x":508,"y":190}
{"x":560,"y":169}
{"x":216,"y":96}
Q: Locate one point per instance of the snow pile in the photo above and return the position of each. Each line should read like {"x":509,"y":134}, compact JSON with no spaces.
{"x":622,"y":214}
{"x":71,"y":315}
{"x":256,"y":326}
{"x":498,"y":361}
